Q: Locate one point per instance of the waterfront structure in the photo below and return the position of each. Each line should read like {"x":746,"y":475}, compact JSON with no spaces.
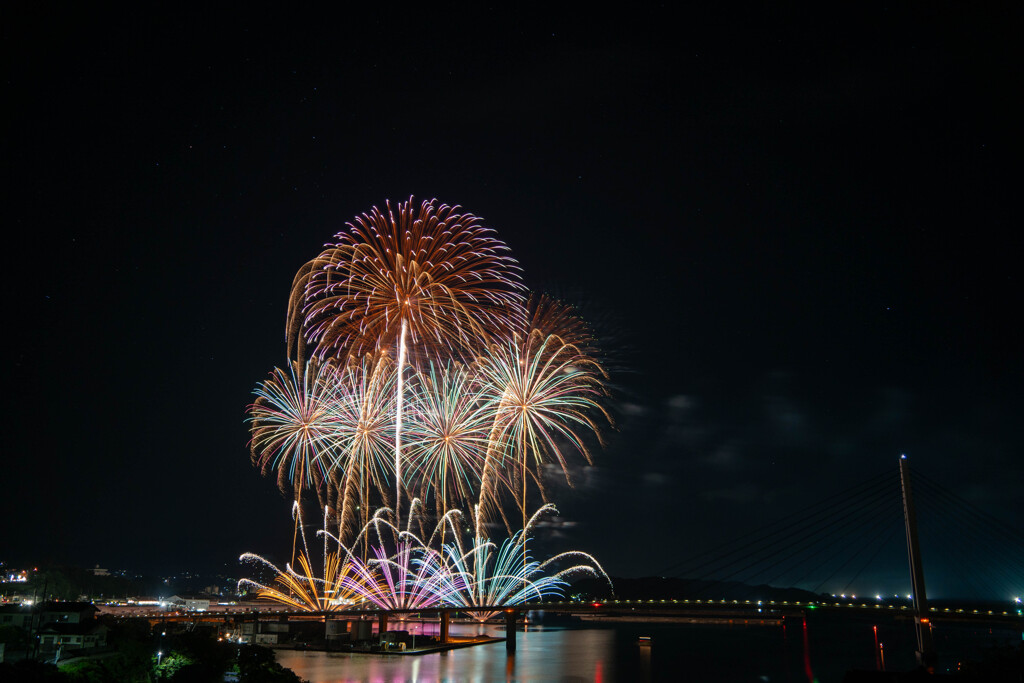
{"x":188,"y":603}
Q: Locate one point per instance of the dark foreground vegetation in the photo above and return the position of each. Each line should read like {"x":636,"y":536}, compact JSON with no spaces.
{"x":137,"y":654}
{"x":61,"y":582}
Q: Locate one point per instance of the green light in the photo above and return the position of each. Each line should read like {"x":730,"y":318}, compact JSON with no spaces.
{"x":812,"y":607}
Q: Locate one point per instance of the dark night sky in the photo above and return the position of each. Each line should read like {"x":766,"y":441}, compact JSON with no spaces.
{"x":797,"y":231}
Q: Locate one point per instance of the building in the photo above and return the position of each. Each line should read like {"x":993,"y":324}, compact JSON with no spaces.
{"x":71,"y":636}
{"x":69,"y":612}
{"x":187,"y":603}
{"x":16,"y":615}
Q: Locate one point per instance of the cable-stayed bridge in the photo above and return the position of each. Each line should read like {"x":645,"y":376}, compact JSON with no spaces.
{"x":826,"y":549}
{"x":854,"y":542}
{"x":836,"y":540}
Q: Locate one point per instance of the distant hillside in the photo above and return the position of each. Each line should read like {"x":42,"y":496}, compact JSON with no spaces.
{"x":658,"y":588}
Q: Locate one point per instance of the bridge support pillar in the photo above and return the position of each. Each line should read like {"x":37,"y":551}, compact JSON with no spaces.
{"x":510,"y":631}
{"x":446,"y":622}
{"x":922,"y":625}
{"x":382,"y":624}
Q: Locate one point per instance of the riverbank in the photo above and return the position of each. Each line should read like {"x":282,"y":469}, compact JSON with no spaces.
{"x":455,"y":643}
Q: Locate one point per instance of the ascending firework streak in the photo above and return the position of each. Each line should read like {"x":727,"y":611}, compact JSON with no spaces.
{"x":434,"y":278}
{"x":362,"y":409}
{"x":304,"y":590}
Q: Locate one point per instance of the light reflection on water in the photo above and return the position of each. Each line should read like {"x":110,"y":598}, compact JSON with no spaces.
{"x":542,"y":655}
{"x":819,"y":650}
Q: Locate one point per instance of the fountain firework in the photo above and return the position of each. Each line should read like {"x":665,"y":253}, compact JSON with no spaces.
{"x":406,"y":574}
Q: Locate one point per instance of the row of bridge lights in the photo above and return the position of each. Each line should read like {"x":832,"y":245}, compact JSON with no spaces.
{"x":810,"y":605}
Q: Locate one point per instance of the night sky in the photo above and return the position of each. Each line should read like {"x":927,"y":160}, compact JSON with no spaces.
{"x":796,"y":232}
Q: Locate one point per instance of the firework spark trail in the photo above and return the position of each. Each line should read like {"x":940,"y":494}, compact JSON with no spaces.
{"x":550,"y":317}
{"x":546,"y":392}
{"x":486,"y":575}
{"x":293,"y":427}
{"x":450,"y":422}
{"x":305,"y":591}
{"x":406,"y":574}
{"x":483,"y":574}
{"x":546,"y":383}
{"x":399,"y":402}
{"x":302,"y":590}
{"x":437,"y":269}
{"x":435,"y":276}
{"x":362,"y":409}
{"x":426,"y":302}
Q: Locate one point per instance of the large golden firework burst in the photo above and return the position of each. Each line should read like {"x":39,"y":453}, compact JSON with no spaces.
{"x":428,"y":273}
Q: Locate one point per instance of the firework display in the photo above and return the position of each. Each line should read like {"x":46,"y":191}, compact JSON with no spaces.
{"x":483,"y":574}
{"x":406,"y":574}
{"x":423,"y":378}
{"x":432,"y":276}
{"x":293,"y":430}
{"x":450,"y":427}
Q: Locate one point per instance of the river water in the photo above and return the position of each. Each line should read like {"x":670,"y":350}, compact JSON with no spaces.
{"x":821,"y":649}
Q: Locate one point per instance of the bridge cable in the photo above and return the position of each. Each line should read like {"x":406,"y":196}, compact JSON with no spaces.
{"x":874,"y":525}
{"x":980,"y":525}
{"x":807,"y":530}
{"x":954,"y":550}
{"x":769,"y":545}
{"x":878,"y":511}
{"x":889,"y":535}
{"x":966,"y":536}
{"x":972,"y":509}
{"x":845,"y":501}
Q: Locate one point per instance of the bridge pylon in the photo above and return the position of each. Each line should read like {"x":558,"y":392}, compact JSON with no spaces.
{"x":922,"y":625}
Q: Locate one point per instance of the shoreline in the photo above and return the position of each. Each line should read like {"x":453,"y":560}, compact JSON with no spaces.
{"x":431,"y":649}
